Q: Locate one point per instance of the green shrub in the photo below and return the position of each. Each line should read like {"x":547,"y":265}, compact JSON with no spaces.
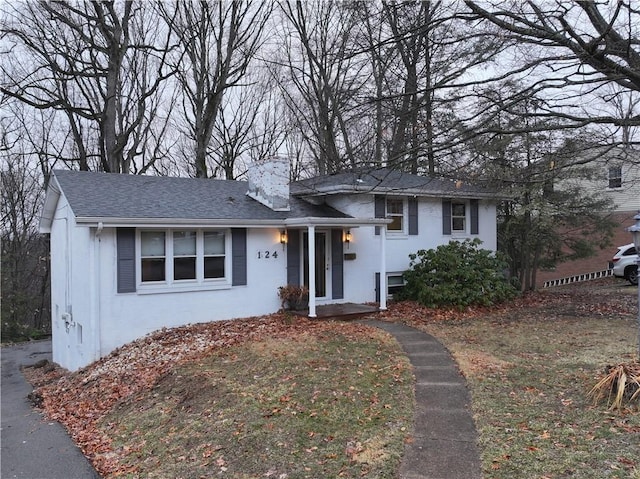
{"x":457,"y":274}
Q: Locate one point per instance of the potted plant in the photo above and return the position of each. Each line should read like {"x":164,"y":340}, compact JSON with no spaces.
{"x":294,"y":297}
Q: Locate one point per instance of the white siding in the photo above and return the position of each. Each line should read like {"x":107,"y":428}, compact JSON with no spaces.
{"x":626,"y":197}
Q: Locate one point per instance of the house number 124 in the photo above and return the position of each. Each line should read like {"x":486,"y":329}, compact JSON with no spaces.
{"x":267,"y":254}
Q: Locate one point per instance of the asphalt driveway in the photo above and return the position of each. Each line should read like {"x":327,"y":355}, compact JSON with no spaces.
{"x":32,"y":447}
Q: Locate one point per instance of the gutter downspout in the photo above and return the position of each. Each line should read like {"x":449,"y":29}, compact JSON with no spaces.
{"x":97,"y":336}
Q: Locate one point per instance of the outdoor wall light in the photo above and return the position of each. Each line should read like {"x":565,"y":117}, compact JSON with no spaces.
{"x":347,"y":237}
{"x":283,"y":237}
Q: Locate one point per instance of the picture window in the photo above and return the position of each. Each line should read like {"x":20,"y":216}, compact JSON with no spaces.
{"x":183,"y":256}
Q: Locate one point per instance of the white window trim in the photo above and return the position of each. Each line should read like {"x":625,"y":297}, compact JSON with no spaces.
{"x":169,"y":285}
{"x":405,"y":217}
{"x":465,"y":231}
{"x":609,"y":177}
{"x":389,"y":295}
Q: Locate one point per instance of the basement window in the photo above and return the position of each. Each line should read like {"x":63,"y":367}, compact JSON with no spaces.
{"x":395,"y":282}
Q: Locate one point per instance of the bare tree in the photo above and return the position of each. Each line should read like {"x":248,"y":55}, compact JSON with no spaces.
{"x":435,"y":55}
{"x":550,"y":217}
{"x":219,"y":40}
{"x":575,"y":47}
{"x":25,"y":263}
{"x":101,"y":64}
{"x":370,"y":83}
{"x":249,"y":127}
{"x":371,"y":41}
{"x":323,"y":79}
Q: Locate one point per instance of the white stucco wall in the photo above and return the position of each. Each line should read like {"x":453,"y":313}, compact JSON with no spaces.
{"x":71,"y":291}
{"x":127,"y":316}
{"x":84,"y":279}
{"x":359,"y":274}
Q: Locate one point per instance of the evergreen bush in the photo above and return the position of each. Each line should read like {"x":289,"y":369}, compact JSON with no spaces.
{"x":457,"y":274}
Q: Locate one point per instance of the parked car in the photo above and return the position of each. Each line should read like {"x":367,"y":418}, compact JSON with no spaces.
{"x":625,"y":263}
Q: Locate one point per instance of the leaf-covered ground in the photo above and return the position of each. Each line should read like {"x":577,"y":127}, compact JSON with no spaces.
{"x":529,"y":365}
{"x":322,"y":404}
{"x":258,"y":397}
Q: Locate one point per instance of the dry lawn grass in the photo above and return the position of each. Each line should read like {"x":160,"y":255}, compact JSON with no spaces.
{"x":254,"y":398}
{"x":530,"y":368}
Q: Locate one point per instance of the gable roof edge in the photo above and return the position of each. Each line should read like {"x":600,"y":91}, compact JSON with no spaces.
{"x":52,"y":196}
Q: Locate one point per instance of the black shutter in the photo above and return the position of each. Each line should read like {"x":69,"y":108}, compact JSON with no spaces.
{"x":474,"y":217}
{"x":126,"y":251}
{"x":293,"y":257}
{"x":337,"y":282}
{"x":380,"y":207}
{"x":238,"y":256}
{"x":446,"y":217}
{"x":413,"y":216}
{"x":377,"y":287}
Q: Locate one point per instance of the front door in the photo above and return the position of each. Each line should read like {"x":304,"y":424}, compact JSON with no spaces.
{"x":323,"y":262}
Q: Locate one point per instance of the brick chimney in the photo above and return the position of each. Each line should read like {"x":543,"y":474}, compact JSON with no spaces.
{"x":269,"y":182}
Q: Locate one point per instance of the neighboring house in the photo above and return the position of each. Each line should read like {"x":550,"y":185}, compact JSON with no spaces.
{"x":132,"y":254}
{"x":617,"y":176}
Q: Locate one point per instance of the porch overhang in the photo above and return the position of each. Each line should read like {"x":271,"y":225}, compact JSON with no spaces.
{"x":335,"y":222}
{"x":311,"y":223}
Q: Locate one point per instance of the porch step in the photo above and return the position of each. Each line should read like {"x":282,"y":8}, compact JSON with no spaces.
{"x":343,"y":311}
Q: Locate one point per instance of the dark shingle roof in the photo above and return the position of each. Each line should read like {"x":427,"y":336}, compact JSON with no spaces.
{"x":383,"y":180}
{"x":108,"y":195}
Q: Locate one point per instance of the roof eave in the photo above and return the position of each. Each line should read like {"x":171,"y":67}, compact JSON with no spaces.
{"x":111,"y":222}
{"x":342,"y":189}
{"x":95,"y":221}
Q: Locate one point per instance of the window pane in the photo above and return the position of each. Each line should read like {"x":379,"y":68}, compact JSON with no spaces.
{"x":184,"y":268}
{"x":214,"y":267}
{"x":152,"y":243}
{"x":457,"y":209}
{"x":213,"y":242}
{"x":457,"y":224}
{"x":394,"y":207}
{"x":395,"y":289}
{"x":395,"y":280}
{"x":396,"y":224}
{"x":153,"y":269}
{"x":615,"y":177}
{"x":184,"y":243}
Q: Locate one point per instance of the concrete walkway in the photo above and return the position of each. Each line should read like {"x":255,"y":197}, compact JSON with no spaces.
{"x":33,"y":448}
{"x":444,"y":437}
